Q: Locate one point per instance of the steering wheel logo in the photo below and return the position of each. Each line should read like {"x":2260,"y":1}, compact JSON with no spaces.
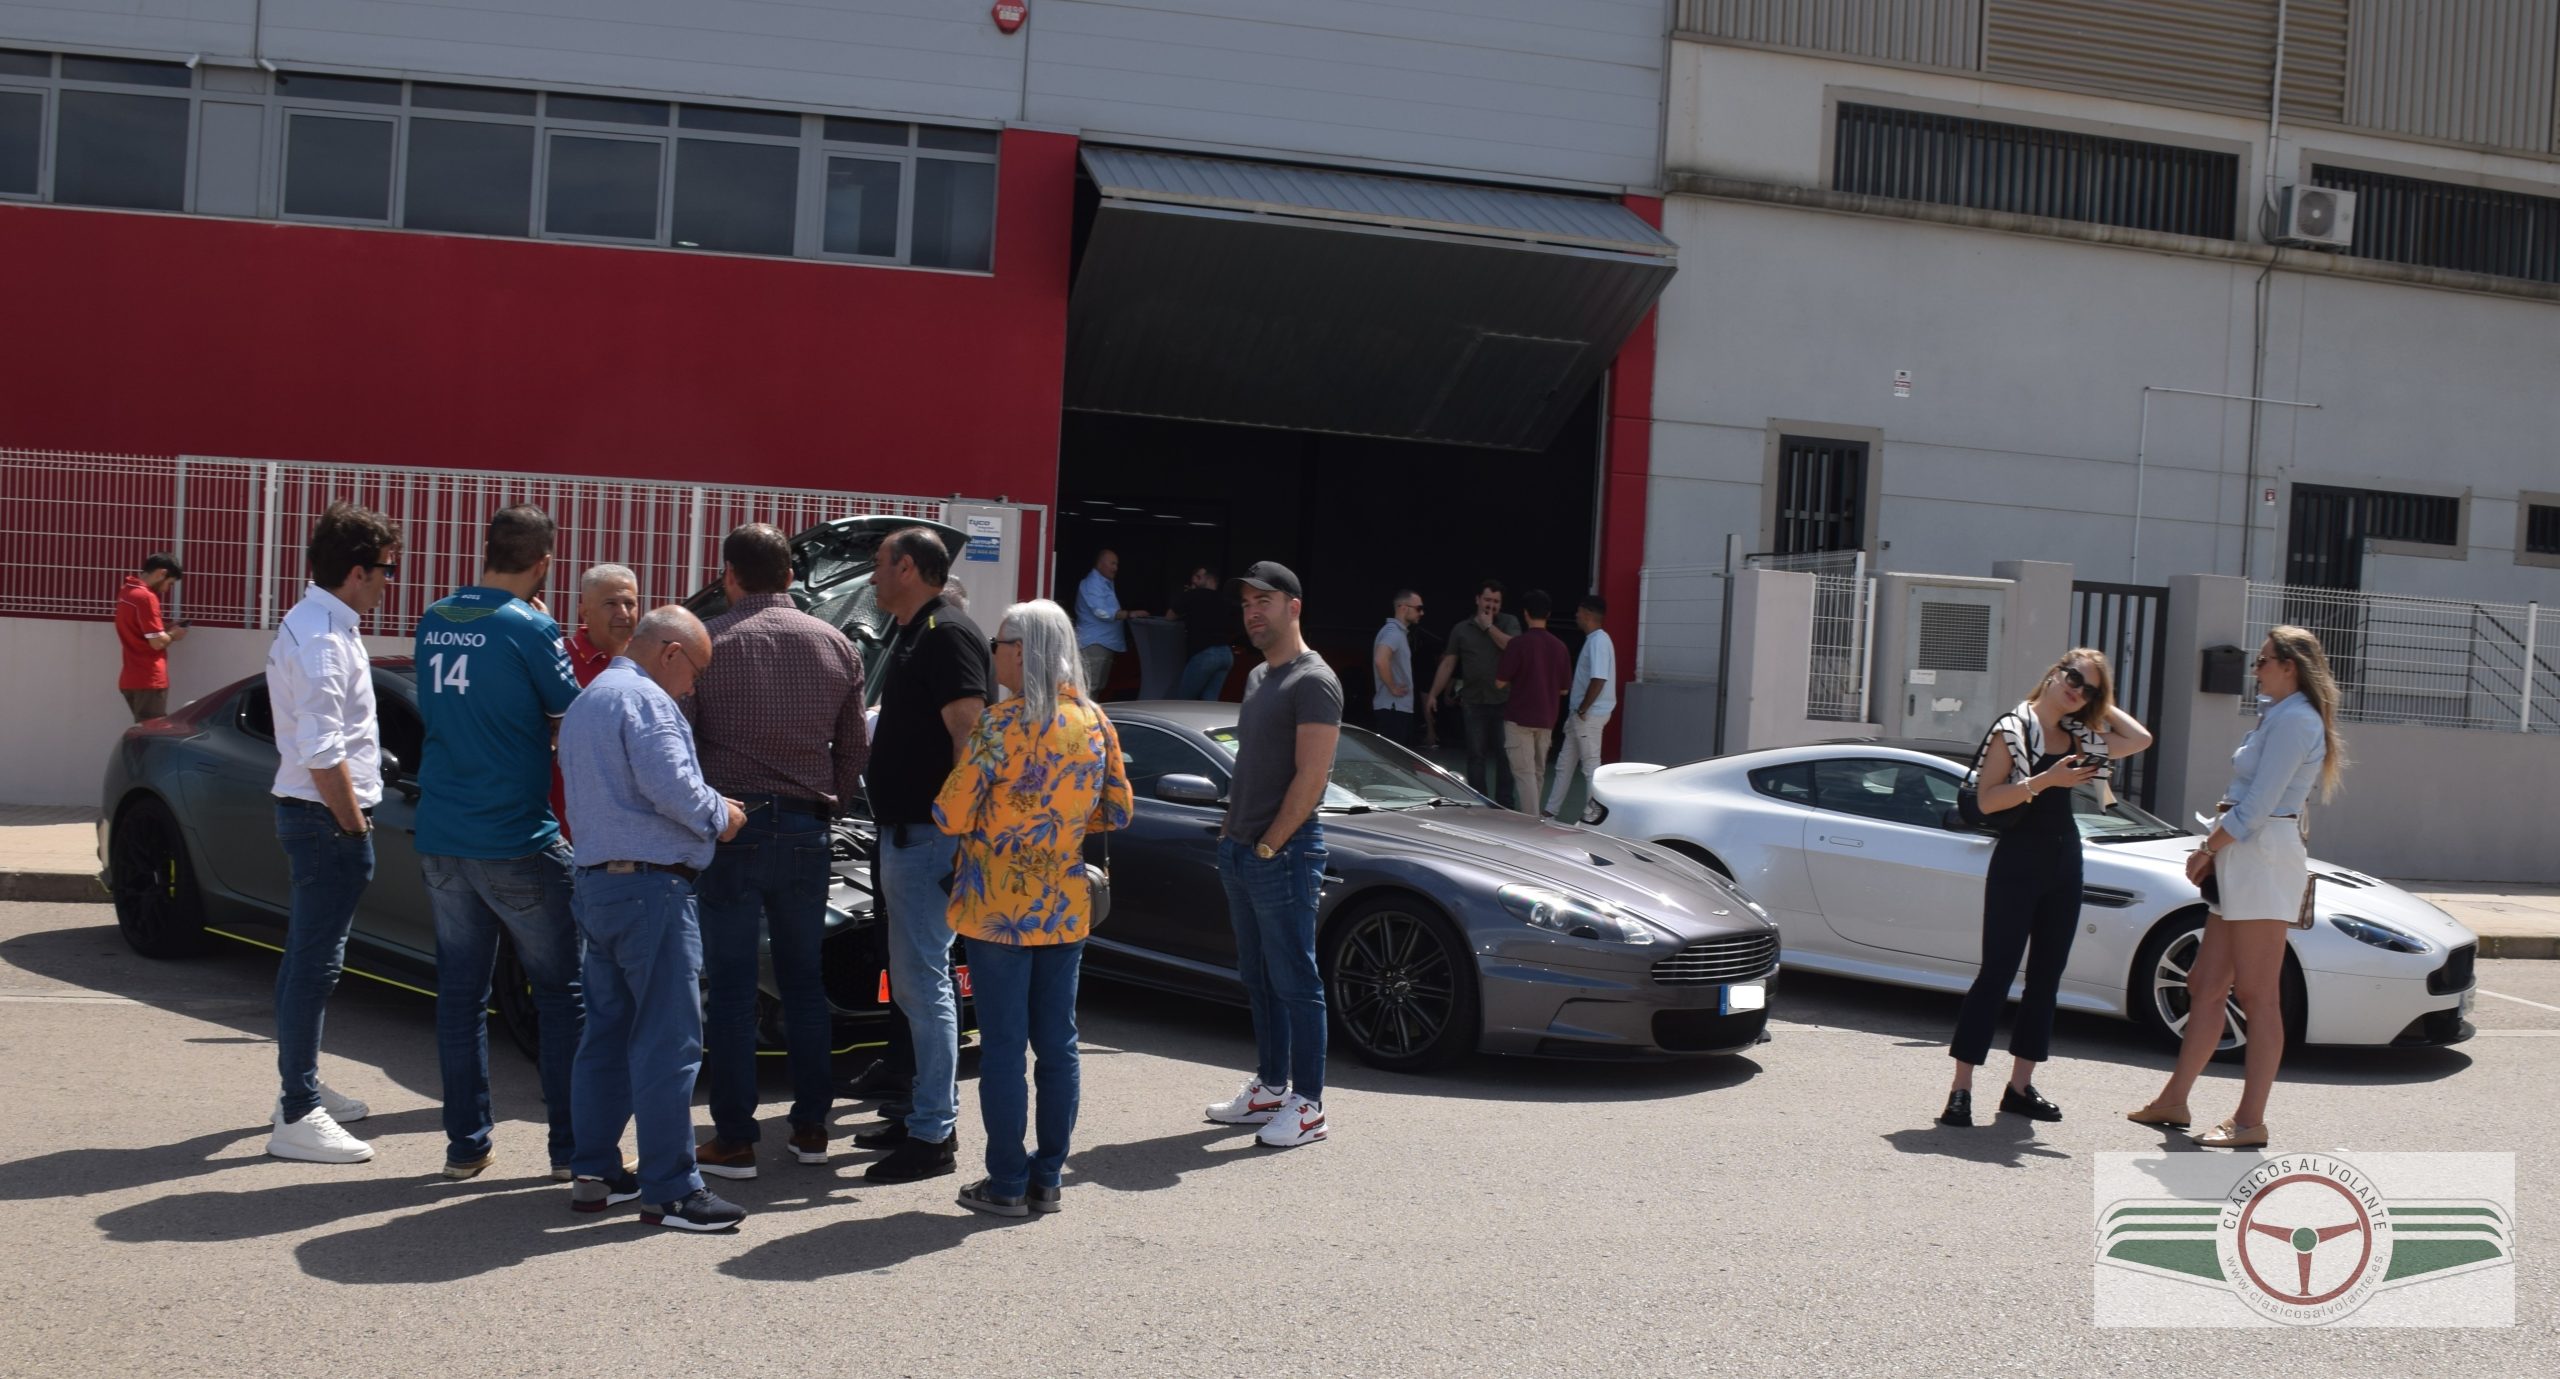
{"x":2308,"y":1246}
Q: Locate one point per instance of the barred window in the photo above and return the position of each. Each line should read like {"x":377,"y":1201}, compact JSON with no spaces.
{"x":2542,"y":529}
{"x":1955,"y":160}
{"x":2448,"y":225}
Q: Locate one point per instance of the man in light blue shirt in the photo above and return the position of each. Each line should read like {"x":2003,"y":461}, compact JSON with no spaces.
{"x":645,"y":824}
{"x":1099,"y":636}
{"x":492,"y":681}
{"x":1593,"y":693}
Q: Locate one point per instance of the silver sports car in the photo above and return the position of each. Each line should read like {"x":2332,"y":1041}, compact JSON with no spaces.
{"x":1447,"y":923}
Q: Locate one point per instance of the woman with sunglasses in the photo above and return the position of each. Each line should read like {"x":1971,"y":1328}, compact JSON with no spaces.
{"x":2062,"y":737}
{"x":1043,"y":769}
{"x":2261,"y":870}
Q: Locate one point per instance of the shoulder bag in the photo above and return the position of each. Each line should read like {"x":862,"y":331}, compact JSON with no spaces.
{"x":1969,"y":795}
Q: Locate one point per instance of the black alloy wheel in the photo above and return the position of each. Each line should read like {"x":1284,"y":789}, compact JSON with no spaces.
{"x":153,"y":881}
{"x":1402,"y":986}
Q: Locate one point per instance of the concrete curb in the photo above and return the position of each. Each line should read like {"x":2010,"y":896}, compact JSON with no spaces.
{"x":52,"y":887}
{"x":2519,"y":946}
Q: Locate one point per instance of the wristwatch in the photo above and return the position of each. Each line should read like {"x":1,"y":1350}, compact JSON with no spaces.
{"x":1263,"y":851}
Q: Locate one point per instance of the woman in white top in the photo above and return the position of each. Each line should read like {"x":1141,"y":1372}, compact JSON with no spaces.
{"x":2262,"y":871}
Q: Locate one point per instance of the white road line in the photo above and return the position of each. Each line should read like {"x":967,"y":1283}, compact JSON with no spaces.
{"x":2519,"y":1000}
{"x":2516,"y":1034}
{"x":68,"y":998}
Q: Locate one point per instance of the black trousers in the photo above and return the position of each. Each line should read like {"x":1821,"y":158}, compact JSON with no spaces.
{"x":2030,"y":910}
{"x":1488,"y":765}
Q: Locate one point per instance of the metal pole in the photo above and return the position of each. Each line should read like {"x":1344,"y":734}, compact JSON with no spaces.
{"x":178,"y":538}
{"x":2532,"y":624}
{"x":267,"y":551}
{"x":1866,"y":592}
{"x":692,"y":538}
{"x":2141,"y":459}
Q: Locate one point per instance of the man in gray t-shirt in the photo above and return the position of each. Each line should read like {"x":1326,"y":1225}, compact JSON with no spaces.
{"x":1272,"y":858}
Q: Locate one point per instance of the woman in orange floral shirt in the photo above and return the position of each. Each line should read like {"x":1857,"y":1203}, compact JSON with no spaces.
{"x":1044,"y":769}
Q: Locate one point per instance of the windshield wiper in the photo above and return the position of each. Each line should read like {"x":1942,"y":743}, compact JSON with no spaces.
{"x":1342,"y":809}
{"x":2143,"y":835}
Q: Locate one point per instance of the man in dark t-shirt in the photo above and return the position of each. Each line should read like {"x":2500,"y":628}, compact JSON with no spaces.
{"x":1533,"y":670}
{"x":1271,"y":857}
{"x":1208,"y":618}
{"x":936,"y":679}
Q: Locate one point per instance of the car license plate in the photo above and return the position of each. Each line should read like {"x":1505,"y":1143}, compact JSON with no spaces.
{"x":1745,"y":996}
{"x":959,"y":975}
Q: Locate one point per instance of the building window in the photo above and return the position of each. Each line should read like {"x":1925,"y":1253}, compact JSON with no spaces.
{"x":2538,"y":529}
{"x":1954,"y":160}
{"x":457,"y":158}
{"x":1821,"y":495}
{"x":2447,"y":225}
{"x":2327,"y":536}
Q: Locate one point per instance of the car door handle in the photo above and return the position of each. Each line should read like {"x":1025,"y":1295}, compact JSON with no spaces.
{"x":1844,"y":842}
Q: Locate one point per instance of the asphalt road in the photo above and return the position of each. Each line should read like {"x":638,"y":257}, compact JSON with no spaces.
{"x":1792,"y":1212}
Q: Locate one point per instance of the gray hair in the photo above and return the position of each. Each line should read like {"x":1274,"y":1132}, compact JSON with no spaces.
{"x":956,"y":593}
{"x":598,"y":576}
{"x":1048,"y":654}
{"x":670,"y":623}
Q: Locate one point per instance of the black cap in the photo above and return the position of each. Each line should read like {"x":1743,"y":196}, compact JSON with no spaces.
{"x":1272,"y":575}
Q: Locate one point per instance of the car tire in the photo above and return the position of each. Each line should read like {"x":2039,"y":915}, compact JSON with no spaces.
{"x":1401,"y":986}
{"x":2157,"y":998}
{"x":159,"y":908}
{"x":511,"y":991}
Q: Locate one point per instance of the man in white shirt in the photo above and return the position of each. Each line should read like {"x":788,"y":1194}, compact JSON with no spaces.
{"x":1594,"y":695}
{"x":328,"y":779}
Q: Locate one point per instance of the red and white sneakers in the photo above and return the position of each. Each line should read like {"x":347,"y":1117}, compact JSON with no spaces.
{"x":1253,"y":1104}
{"x":1298,"y":1121}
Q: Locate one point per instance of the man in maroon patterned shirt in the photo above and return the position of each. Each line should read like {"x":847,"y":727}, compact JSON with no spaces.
{"x":777,"y":717}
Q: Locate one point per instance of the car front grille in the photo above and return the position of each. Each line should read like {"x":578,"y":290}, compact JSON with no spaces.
{"x":2455,"y":975}
{"x":1708,"y":961}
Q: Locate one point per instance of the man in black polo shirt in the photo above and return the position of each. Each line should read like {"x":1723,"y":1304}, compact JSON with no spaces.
{"x":935,"y":681}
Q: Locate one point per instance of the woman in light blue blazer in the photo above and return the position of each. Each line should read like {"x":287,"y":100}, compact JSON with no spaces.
{"x":2258,"y":860}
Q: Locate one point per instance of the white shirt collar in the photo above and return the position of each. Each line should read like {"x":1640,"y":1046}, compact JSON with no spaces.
{"x":341,"y":617}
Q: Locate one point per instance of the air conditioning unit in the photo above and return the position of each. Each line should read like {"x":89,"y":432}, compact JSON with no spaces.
{"x":2317,"y":215}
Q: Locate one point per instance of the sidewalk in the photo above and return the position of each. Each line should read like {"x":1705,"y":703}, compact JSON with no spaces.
{"x":51,"y":854}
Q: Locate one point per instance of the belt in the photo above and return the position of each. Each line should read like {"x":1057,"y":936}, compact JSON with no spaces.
{"x":786,"y":804}
{"x":300,"y":803}
{"x":628,"y":868}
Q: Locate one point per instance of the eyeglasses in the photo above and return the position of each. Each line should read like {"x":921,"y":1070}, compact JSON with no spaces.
{"x":994,"y":642}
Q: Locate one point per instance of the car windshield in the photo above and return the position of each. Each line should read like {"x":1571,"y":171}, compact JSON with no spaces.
{"x":1370,"y":772}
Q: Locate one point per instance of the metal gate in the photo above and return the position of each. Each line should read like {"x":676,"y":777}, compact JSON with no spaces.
{"x":2130,"y":623}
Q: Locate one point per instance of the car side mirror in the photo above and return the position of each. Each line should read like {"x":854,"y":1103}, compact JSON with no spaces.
{"x":1188,"y":790}
{"x":395,"y":774}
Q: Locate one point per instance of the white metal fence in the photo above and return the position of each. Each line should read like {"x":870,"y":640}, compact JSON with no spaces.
{"x":1843,"y":640}
{"x":2442,"y":662}
{"x":73,"y":524}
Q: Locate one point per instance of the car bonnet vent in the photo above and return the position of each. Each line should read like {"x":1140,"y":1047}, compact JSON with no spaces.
{"x":1599,"y":861}
{"x":1954,"y":636}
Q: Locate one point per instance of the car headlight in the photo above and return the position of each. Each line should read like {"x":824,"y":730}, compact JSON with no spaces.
{"x":1574,"y":917}
{"x":2377,"y":933}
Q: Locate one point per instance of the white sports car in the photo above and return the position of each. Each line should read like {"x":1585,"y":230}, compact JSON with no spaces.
{"x":1855,"y":850}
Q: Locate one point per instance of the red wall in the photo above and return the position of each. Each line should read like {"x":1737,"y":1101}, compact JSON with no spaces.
{"x":168,"y":334}
{"x":1630,"y":471}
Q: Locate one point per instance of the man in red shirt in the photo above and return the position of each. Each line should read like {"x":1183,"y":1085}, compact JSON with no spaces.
{"x":1534,"y":669}
{"x":146,"y":638}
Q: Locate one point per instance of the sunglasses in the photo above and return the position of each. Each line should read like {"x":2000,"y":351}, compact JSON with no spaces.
{"x":994,"y":642}
{"x":390,"y":571}
{"x":2265,"y":661}
{"x":2072,"y":677}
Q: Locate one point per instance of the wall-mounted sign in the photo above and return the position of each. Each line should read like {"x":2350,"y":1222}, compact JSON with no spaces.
{"x":2268,"y":498}
{"x":1902,"y":383}
{"x":986,"y":540}
{"x":1010,"y":14}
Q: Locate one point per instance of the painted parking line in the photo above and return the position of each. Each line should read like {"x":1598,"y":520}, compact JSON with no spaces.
{"x":2519,"y":1000}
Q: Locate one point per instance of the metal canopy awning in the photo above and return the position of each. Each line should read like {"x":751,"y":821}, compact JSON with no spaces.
{"x":1319,"y":300}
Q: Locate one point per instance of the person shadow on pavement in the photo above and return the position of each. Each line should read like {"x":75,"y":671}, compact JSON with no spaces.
{"x":2003,"y":1142}
{"x":83,"y":1172}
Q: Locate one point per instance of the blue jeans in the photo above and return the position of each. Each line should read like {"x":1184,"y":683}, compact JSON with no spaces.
{"x":911,"y":877}
{"x":1273,"y":905}
{"x":1026,"y":995}
{"x":1204,"y":676}
{"x":643,"y":1042}
{"x":772,"y":877}
{"x":330,"y":872}
{"x":473,"y":900}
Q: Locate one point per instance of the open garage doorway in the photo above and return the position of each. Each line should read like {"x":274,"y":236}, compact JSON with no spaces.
{"x":1357,"y":518}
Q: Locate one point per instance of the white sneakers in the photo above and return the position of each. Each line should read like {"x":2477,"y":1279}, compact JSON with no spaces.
{"x":343,"y":1109}
{"x":316,"y":1138}
{"x":1298,"y":1121}
{"x":1253,"y":1104}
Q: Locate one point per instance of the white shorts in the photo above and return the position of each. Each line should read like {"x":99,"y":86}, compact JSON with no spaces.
{"x":2262,"y":876}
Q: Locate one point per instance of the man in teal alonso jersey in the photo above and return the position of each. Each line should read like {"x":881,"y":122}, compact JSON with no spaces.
{"x":492,"y":683}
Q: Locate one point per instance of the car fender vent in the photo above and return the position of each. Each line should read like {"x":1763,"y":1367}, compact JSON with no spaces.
{"x":2108,"y":897}
{"x":1954,"y":636}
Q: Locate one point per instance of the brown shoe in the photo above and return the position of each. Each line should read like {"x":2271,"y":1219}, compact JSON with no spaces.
{"x":2230,"y":1136}
{"x":2159,"y":1113}
{"x":721,"y":1159}
{"x":809,"y":1143}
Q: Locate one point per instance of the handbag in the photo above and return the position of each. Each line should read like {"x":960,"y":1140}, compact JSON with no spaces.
{"x":1969,"y":795}
{"x":1097,"y":881}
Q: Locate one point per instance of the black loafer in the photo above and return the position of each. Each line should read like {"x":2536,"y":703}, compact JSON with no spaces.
{"x":1959,"y":1112}
{"x":2029,"y":1103}
{"x":888,"y":1134}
